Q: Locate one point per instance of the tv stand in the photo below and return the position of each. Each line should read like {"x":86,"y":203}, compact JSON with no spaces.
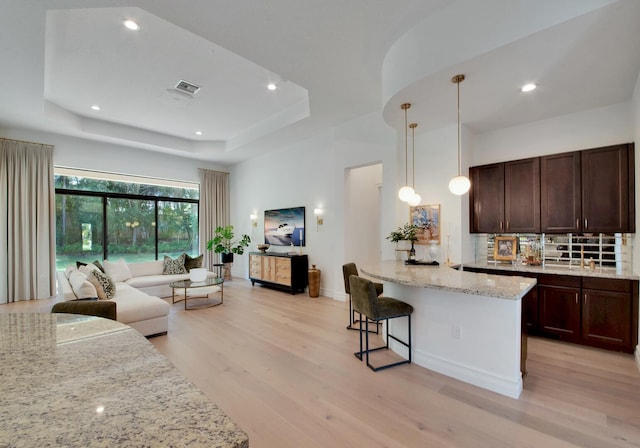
{"x":281,"y":271}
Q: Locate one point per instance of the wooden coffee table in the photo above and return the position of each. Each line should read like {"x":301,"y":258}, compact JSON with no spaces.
{"x":189,"y":285}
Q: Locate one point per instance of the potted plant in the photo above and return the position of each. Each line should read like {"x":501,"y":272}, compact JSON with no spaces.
{"x":226,"y":244}
{"x":408,"y":232}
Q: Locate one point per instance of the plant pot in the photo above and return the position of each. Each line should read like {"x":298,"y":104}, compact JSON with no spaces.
{"x":226,"y":258}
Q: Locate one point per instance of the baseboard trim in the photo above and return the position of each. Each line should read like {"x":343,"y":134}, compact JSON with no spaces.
{"x":511,"y":387}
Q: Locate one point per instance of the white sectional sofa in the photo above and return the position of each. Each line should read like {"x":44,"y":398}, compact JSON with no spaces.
{"x":137,"y":295}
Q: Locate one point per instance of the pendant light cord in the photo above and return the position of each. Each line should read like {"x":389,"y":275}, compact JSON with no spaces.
{"x":459,"y":130}
{"x":406,"y":152}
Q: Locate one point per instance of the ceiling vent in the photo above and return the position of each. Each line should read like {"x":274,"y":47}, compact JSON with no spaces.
{"x":187,"y":87}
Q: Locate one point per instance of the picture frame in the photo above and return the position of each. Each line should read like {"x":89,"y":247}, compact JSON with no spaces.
{"x":427,"y":219}
{"x":284,"y":226}
{"x":505,"y":248}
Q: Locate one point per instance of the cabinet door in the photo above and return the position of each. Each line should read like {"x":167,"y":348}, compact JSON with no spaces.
{"x":487,"y":198}
{"x":605,"y":189}
{"x":559,"y":312}
{"x":255,"y":266}
{"x":522,"y":196}
{"x":269,"y":268}
{"x":560,"y":201}
{"x":606,"y":319}
{"x":283,"y":271}
{"x":530,"y":310}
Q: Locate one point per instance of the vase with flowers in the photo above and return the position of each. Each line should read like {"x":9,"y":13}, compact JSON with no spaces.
{"x":408,"y":232}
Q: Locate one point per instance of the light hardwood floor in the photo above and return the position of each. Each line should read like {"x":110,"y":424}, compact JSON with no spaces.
{"x":282,"y":367}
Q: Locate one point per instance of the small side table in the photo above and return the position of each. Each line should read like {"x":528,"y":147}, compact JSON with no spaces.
{"x":188,"y":284}
{"x":218,"y":269}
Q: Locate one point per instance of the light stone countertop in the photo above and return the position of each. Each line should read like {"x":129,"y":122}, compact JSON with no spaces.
{"x":621,"y":274}
{"x":449,"y":279}
{"x":81,"y":381}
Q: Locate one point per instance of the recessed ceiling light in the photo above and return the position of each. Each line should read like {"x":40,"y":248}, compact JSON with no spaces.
{"x":198,"y":132}
{"x":528,"y":87}
{"x":271,"y":86}
{"x":95,"y":107}
{"x":133,"y":26}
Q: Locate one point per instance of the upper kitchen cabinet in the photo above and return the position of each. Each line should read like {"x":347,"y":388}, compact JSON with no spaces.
{"x":588,"y":191}
{"x":561,"y":206}
{"x":608,"y":199}
{"x":505,"y":197}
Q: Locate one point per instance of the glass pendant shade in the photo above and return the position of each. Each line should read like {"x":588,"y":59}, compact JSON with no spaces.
{"x":405,"y":193}
{"x":459,"y":185}
{"x":414,"y":200}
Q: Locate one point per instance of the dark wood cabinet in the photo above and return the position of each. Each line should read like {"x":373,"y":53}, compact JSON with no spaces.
{"x":560,"y":190}
{"x":505,"y":197}
{"x":607,"y":313}
{"x":289,"y":272}
{"x":605,"y":189}
{"x":600,"y":312}
{"x":588,"y":191}
{"x":559,"y":307}
{"x":582,"y":191}
{"x":487,"y":198}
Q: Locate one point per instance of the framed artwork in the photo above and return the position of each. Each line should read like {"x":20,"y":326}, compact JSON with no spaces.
{"x":505,"y":248}
{"x":427,"y":218}
{"x":284,"y":226}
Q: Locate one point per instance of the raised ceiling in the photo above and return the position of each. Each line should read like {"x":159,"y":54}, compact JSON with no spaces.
{"x":326,"y":57}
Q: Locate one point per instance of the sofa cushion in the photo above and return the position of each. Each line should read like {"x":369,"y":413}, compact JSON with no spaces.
{"x":135,"y":306}
{"x":155,"y":280}
{"x":105,"y":286}
{"x":192,"y":262}
{"x":172,"y":266}
{"x":146,"y":268}
{"x":117,"y":270}
{"x":81,"y":286}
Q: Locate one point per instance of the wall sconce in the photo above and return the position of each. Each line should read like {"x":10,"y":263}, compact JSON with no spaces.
{"x":318,"y":212}
{"x":254,"y":220}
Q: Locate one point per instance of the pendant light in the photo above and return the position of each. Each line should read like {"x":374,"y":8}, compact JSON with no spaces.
{"x":460,"y":184}
{"x":405,"y":193}
{"x":415,"y":198}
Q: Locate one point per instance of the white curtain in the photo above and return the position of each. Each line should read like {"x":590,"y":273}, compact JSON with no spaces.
{"x":214,"y":208}
{"x":27,"y":229}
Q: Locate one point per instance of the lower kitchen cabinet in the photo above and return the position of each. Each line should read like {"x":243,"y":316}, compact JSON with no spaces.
{"x":559,"y":311}
{"x":595,"y":311}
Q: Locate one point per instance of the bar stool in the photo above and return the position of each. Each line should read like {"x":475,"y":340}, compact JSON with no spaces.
{"x":348,"y":270}
{"x":367,"y":302}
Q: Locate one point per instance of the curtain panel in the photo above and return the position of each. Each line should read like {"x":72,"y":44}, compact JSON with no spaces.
{"x":27,"y":228}
{"x":214,"y":208}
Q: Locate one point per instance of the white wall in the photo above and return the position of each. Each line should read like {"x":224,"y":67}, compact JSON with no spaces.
{"x":314,"y":174}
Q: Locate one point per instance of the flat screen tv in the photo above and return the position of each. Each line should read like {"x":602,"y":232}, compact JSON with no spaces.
{"x":284,"y":226}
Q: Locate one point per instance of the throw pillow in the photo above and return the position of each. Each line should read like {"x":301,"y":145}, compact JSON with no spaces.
{"x":96,"y":263}
{"x":81,"y":286}
{"x":172,"y":266}
{"x":192,"y":262}
{"x":117,"y":270}
{"x":105,"y":286}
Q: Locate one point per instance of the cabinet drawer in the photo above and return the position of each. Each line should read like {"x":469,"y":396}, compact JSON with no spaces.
{"x":559,"y":280}
{"x":606,"y":284}
{"x":283,"y":263}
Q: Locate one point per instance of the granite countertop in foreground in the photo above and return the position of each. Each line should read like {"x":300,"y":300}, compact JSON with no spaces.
{"x":622,"y":274}
{"x":449,"y":279}
{"x":80,"y":381}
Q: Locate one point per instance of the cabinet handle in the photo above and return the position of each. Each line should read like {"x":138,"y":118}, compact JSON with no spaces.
{"x":508,"y":225}
{"x":501,"y":225}
{"x":584,"y":301}
{"x":576,"y":298}
{"x":586,"y":223}
{"x":577,"y":223}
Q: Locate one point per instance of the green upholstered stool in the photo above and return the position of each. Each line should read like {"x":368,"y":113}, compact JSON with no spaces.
{"x":367,"y":303}
{"x":99,"y":308}
{"x":348,"y":270}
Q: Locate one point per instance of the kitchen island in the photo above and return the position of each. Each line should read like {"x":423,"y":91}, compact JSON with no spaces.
{"x":465,"y":325}
{"x":82,"y":381}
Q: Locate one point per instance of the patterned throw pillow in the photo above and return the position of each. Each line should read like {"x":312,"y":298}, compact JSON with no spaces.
{"x":172,"y":266}
{"x":105,"y":286}
{"x":190,"y":263}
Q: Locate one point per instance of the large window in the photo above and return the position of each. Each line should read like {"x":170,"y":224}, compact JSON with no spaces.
{"x":100,"y":217}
